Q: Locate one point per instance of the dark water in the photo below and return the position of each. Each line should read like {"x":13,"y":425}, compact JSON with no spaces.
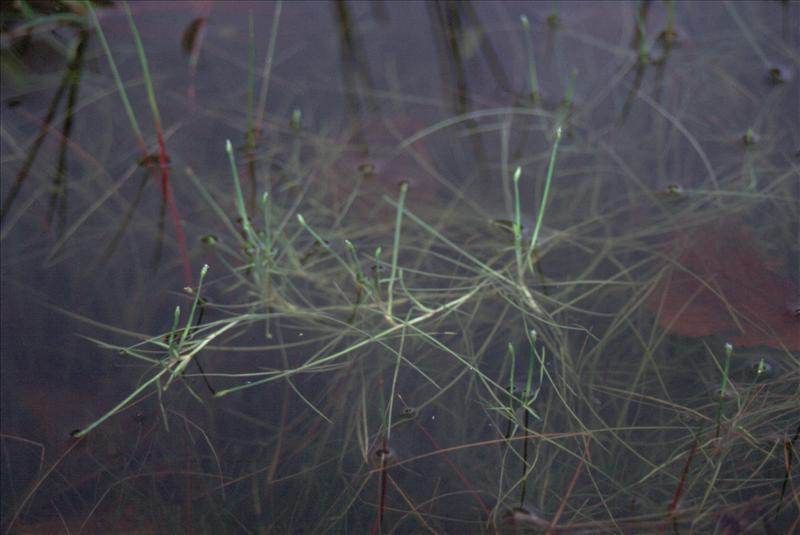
{"x":363,"y":96}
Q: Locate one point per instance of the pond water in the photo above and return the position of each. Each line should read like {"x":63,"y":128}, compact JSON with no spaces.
{"x":393,"y":334}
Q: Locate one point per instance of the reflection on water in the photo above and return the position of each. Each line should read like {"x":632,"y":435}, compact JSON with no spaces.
{"x":353,"y":376}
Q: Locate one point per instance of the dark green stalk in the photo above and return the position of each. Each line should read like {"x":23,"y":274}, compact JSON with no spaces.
{"x":640,"y":39}
{"x":395,"y":249}
{"x":671,"y":20}
{"x":789,"y":455}
{"x":148,"y":81}
{"x":545,"y":195}
{"x":533,"y":80}
{"x":123,"y":94}
{"x":58,"y":197}
{"x":516,"y":226}
{"x":527,"y":398}
{"x":267,"y":71}
{"x":724,"y":387}
{"x":195,"y":304}
{"x":68,"y":80}
{"x":251,"y":59}
{"x":376,"y":277}
{"x":511,"y":396}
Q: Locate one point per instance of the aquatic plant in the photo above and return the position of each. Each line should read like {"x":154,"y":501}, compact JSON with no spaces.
{"x":449,"y":289}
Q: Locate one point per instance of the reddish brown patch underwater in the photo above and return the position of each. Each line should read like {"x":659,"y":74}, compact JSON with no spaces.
{"x":720,"y":285}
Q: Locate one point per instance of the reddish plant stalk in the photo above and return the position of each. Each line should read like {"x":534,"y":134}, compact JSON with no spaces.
{"x":554,"y":522}
{"x":788,"y":455}
{"x":166,"y":193}
{"x":679,"y":491}
{"x":376,"y":528}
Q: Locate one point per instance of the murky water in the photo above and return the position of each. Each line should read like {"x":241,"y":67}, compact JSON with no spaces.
{"x":671,"y":226}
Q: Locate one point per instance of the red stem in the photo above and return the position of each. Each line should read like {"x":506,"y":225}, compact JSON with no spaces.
{"x":565,"y":499}
{"x":166,"y":192}
{"x":376,"y":528}
{"x":681,"y":483}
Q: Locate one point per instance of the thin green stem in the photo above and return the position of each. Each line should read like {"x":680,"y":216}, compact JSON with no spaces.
{"x":324,"y":244}
{"x":273,"y":35}
{"x":148,"y":81}
{"x":395,"y":249}
{"x":723,"y":389}
{"x":251,"y":59}
{"x":123,"y":94}
{"x":249,"y":233}
{"x":545,"y":196}
{"x":532,"y":79}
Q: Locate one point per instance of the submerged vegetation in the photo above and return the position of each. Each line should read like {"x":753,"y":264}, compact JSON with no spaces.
{"x":531,"y":297}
